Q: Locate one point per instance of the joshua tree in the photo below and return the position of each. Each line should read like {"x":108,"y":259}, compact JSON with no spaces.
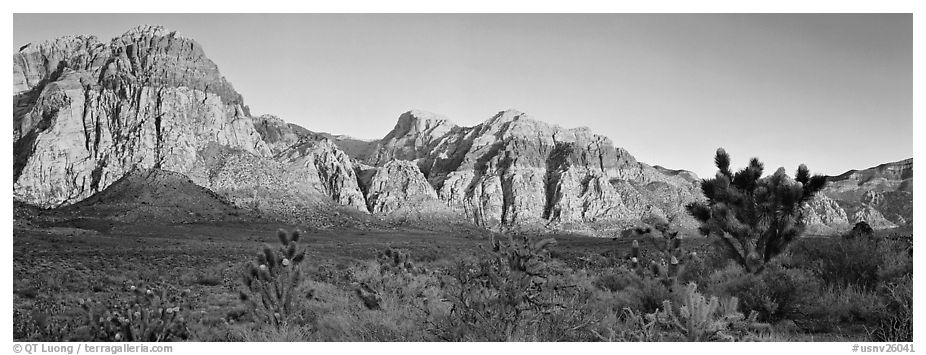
{"x":754,"y":217}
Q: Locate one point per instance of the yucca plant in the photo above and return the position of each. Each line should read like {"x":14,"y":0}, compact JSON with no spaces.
{"x":754,"y":218}
{"x":271,"y":282}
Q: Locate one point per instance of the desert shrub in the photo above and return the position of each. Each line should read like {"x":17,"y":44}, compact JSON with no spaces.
{"x":613,"y":279}
{"x":633,"y":290}
{"x":151,"y":315}
{"x":861,"y":230}
{"x":627,"y":326}
{"x":692,"y":318}
{"x":849,"y":304}
{"x":897,"y":258}
{"x":371,"y":300}
{"x":755,"y":218}
{"x":701,"y":264}
{"x":41,"y":325}
{"x":853,"y":261}
{"x":513,"y":292}
{"x":397,"y":299}
{"x":777,"y":293}
{"x":667,"y":261}
{"x":895,"y":323}
{"x":272,"y":283}
{"x":840,"y":261}
{"x":212,"y":276}
{"x":651,"y":276}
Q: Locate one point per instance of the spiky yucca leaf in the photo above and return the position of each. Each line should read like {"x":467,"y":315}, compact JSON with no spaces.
{"x":722,"y":161}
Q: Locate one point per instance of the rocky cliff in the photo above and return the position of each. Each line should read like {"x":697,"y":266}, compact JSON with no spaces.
{"x":513,"y":170}
{"x":89,"y":113}
{"x":86,"y":113}
{"x":882,"y":196}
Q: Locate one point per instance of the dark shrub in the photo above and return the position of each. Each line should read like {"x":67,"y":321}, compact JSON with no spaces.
{"x":852,"y":261}
{"x":777,"y":293}
{"x":896,"y":322}
{"x":514,"y":292}
{"x":861,"y":230}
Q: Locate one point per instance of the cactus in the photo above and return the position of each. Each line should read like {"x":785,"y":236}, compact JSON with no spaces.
{"x":670,"y":254}
{"x":271,"y":282}
{"x":398,"y":261}
{"x":702,"y":319}
{"x":152,"y":315}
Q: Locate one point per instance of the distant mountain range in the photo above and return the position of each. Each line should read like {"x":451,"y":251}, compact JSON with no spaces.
{"x":95,"y":121}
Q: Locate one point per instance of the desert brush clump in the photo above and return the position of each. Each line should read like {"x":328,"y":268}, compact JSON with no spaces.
{"x":853,"y":260}
{"x":693,"y":317}
{"x":896,"y":322}
{"x":670,"y":259}
{"x":42,"y":324}
{"x":629,"y":326}
{"x":754,"y":218}
{"x":153,"y":314}
{"x":271,"y":283}
{"x":398,"y":261}
{"x":646,"y":279}
{"x":512,"y":293}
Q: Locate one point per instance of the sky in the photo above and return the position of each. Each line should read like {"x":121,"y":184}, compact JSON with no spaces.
{"x":833,"y":91}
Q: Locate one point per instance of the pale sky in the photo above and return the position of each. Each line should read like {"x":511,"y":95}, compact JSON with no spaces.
{"x":833,"y":91}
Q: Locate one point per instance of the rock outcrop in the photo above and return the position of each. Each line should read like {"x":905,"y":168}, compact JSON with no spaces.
{"x":91,"y":112}
{"x":86,"y":113}
{"x":514,"y":171}
{"x":398,"y":185}
{"x":882,"y":196}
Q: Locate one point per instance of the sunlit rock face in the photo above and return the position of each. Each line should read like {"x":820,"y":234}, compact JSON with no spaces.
{"x":513,"y":170}
{"x":881,"y":196}
{"x":87,"y":112}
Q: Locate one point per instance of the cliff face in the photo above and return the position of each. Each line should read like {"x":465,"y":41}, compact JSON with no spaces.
{"x":89,"y":113}
{"x":512,"y":170}
{"x":86,"y":113}
{"x":882,"y":196}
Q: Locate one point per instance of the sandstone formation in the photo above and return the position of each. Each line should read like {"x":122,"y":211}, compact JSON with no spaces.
{"x":513,"y":170}
{"x":87,"y":113}
{"x":398,"y":184}
{"x":150,"y":107}
{"x":882,"y":196}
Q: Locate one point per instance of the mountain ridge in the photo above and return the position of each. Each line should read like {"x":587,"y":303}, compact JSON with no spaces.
{"x":88,"y":113}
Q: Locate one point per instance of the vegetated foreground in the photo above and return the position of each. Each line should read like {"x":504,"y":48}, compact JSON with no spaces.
{"x":415,"y":285}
